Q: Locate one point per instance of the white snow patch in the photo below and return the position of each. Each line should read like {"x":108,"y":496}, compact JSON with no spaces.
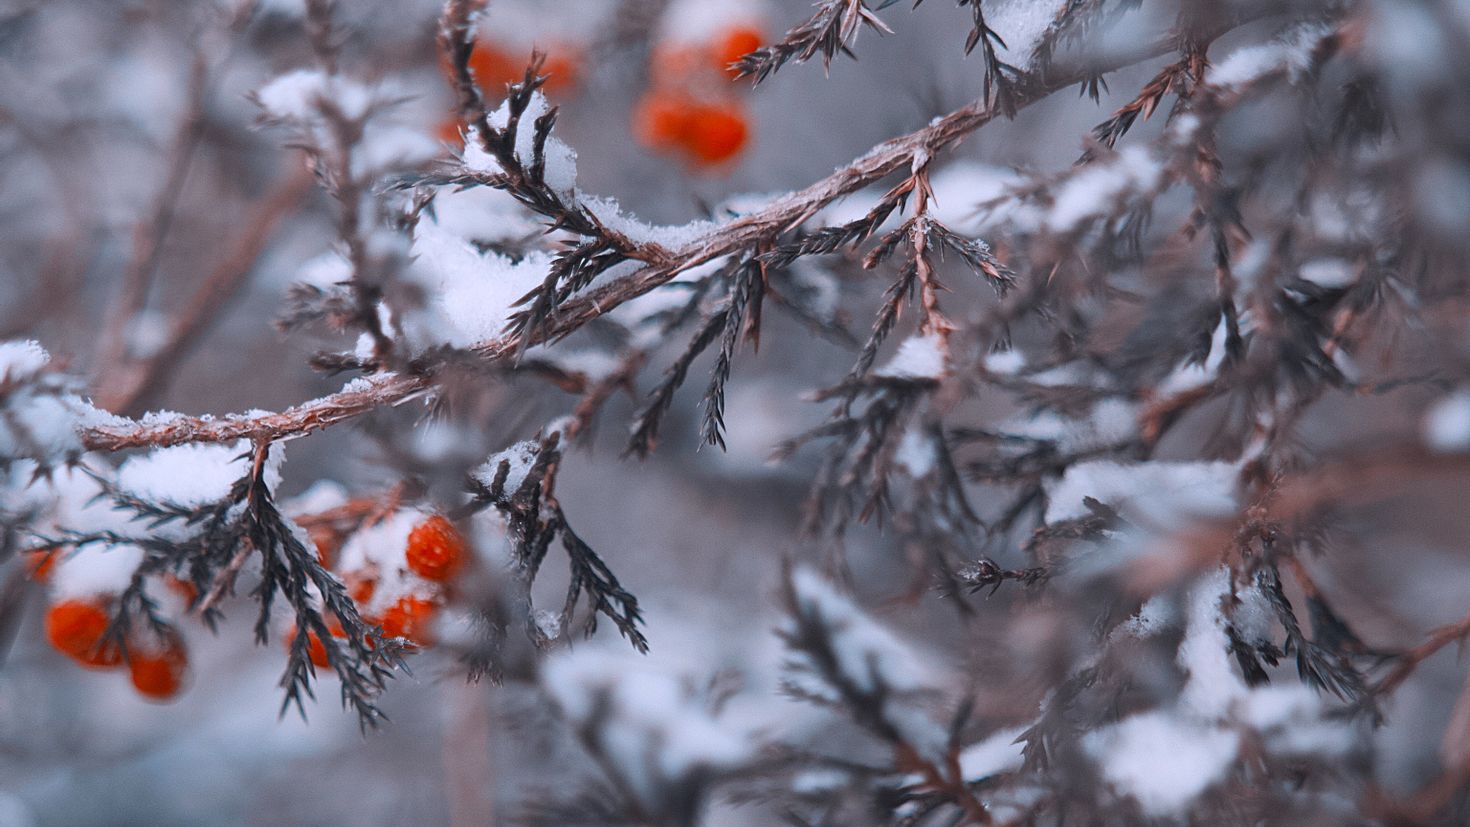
{"x":1159,"y":495}
{"x":657,"y":734}
{"x":194,"y":474}
{"x":996,"y":754}
{"x":1161,"y":760}
{"x":918,"y":357}
{"x":1447,"y":423}
{"x":1097,"y":188}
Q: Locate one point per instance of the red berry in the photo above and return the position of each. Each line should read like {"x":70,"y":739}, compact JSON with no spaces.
{"x":40,"y":562}
{"x":735,"y":44}
{"x":76,"y":628}
{"x":716,"y":133}
{"x":315,"y":648}
{"x":435,"y":550}
{"x":410,"y":618}
{"x":661,"y":120}
{"x":158,"y":668}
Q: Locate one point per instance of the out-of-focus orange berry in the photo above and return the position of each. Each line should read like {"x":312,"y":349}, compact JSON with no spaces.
{"x":495,"y":66}
{"x":40,"y":562}
{"x":675,"y":65}
{"x":451,"y":131}
{"x":716,"y":133}
{"x":315,"y":648}
{"x":435,"y":550}
{"x":76,"y":629}
{"x":409,"y":618}
{"x":158,"y":668}
{"x":735,"y":44}
{"x":563,"y":68}
{"x":360,"y":588}
{"x":181,"y":587}
{"x":661,"y":120}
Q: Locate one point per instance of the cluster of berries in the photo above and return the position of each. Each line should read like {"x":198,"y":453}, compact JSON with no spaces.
{"x":398,"y":571}
{"x":690,"y":109}
{"x":79,"y":625}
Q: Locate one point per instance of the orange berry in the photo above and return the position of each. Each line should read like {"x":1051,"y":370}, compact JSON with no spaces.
{"x":562,"y":69}
{"x":181,"y":587}
{"x":360,"y":587}
{"x":494,"y":67}
{"x":716,"y":133}
{"x":450,"y":132}
{"x":40,"y":562}
{"x":435,"y":550}
{"x":158,"y":670}
{"x":315,"y":648}
{"x":735,"y":44}
{"x":661,"y":120}
{"x":76,"y":629}
{"x":409,"y":618}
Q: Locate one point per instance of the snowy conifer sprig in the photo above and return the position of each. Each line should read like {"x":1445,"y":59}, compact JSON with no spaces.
{"x":520,"y":484}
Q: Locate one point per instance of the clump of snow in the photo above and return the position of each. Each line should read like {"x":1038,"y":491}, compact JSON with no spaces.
{"x":521,"y":457}
{"x":22,"y":360}
{"x":1020,"y":24}
{"x":1112,"y":421}
{"x":482,"y":214}
{"x":673,"y":236}
{"x":1097,"y":188}
{"x":918,"y":357}
{"x":322,"y":495}
{"x":194,"y":474}
{"x":1447,"y":423}
{"x":94,"y":571}
{"x":1332,"y":273}
{"x":656,"y":734}
{"x":869,"y":655}
{"x":1005,"y":362}
{"x":386,"y":147}
{"x":1166,"y":758}
{"x":698,"y":22}
{"x":470,"y":294}
{"x":999,"y":752}
{"x":1187,"y":377}
{"x":916,"y":454}
{"x":643,"y":314}
{"x":526,"y":23}
{"x":561,"y":160}
{"x":594,"y":365}
{"x":42,"y":413}
{"x":1204,"y":652}
{"x":1291,"y":54}
{"x":1161,"y":760}
{"x":961,"y":187}
{"x":1156,"y":614}
{"x":1159,"y":495}
{"x":300,"y":94}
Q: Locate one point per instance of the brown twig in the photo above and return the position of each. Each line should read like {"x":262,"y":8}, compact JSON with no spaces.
{"x":781,"y":215}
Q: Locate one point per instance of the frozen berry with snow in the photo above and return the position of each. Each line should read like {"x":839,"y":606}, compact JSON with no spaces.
{"x":435,"y":550}
{"x":410,"y":618}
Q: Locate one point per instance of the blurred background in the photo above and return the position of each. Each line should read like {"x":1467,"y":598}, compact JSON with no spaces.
{"x":92,"y":98}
